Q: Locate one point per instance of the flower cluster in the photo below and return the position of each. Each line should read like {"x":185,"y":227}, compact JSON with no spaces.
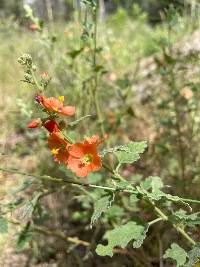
{"x":82,"y":157}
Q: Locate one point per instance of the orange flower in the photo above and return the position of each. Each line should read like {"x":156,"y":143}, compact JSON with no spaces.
{"x":44,"y":75}
{"x":51,"y":126}
{"x":59,"y":147}
{"x":35,"y":123}
{"x":34,"y":27}
{"x":84,"y":158}
{"x":53,"y":104}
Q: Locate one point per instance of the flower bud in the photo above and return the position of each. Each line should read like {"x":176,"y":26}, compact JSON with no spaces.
{"x":25,"y":59}
{"x":28,"y":78}
{"x":45,"y":79}
{"x":35,"y":123}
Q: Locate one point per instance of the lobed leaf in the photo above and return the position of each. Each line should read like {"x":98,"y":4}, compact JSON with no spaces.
{"x":128,"y":153}
{"x":100,"y":206}
{"x":188,"y":219}
{"x":152,"y":186}
{"x":176,"y":253}
{"x":193,"y":257}
{"x":131,"y":152}
{"x":121,"y":236}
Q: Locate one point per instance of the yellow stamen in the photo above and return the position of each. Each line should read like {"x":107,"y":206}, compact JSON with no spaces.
{"x":88,"y":158}
{"x":61,"y":98}
{"x":55,"y":109}
{"x":55,"y":151}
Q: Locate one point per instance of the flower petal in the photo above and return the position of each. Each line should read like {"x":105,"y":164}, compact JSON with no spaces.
{"x":35,"y":123}
{"x":67,"y":110}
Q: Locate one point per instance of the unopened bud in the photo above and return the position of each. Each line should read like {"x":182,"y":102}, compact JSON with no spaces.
{"x":25,"y":59}
{"x":28,"y":78}
{"x":45,"y":79}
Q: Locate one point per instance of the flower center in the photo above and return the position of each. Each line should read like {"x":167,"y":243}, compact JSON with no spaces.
{"x":88,"y":158}
{"x":54,"y":151}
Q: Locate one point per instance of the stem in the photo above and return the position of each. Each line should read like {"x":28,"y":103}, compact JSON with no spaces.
{"x":162,"y":216}
{"x":62,"y":236}
{"x":112,"y":189}
{"x":178,"y":228}
{"x":155,"y":221}
{"x":184,"y":234}
{"x":61,"y":181}
{"x":35,"y":81}
{"x":96,"y":96}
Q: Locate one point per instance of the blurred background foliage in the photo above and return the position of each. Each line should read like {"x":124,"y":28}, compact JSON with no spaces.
{"x":148,"y":56}
{"x":62,"y":9}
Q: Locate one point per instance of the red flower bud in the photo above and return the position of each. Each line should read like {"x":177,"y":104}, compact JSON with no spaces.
{"x":35,"y":123}
{"x":51,"y":126}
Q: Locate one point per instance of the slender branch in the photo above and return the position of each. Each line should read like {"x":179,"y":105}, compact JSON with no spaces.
{"x":35,"y":80}
{"x":161,"y":214}
{"x":96,"y":96}
{"x":155,"y":221}
{"x":61,"y":181}
{"x":178,"y":228}
{"x":65,"y":238}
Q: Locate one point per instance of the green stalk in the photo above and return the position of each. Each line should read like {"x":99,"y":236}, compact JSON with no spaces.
{"x":35,"y":81}
{"x":159,"y":212}
{"x":96,"y":95}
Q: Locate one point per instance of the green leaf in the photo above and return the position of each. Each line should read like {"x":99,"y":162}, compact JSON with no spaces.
{"x":74,"y":53}
{"x":115,"y":212}
{"x":100,"y":206}
{"x":3,"y":225}
{"x":176,"y":253}
{"x":131,"y":152}
{"x":120,"y":237}
{"x":133,"y":149}
{"x":30,"y":208}
{"x":152,"y":186}
{"x":133,"y":199}
{"x":188,"y":219}
{"x":194,"y":257}
{"x":122,"y":185}
{"x":94,"y":178}
{"x":138,"y":243}
{"x":23,"y":238}
{"x":23,"y":185}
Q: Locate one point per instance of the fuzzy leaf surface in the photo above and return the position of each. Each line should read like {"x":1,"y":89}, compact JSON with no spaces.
{"x":193,"y":257}
{"x":176,"y":253}
{"x":131,"y":152}
{"x":100,"y":206}
{"x":120,"y":237}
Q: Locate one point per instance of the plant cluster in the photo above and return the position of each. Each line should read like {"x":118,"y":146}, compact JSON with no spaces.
{"x":129,"y":213}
